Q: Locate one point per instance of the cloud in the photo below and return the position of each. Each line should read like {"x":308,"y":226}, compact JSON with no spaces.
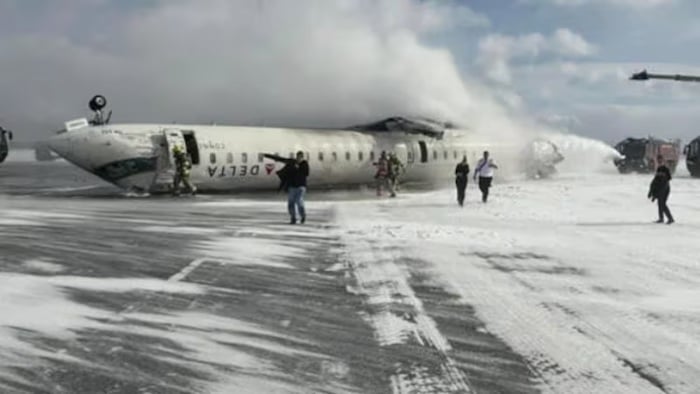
{"x":253,"y":62}
{"x":597,"y":99}
{"x":560,"y":121}
{"x":496,"y":50}
{"x":613,"y":123}
{"x":630,"y":3}
{"x":604,"y":82}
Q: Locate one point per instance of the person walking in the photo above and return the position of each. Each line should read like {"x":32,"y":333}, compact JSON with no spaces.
{"x":182,"y":171}
{"x":297,"y":188}
{"x":461,"y":179}
{"x":396,"y":168}
{"x":484,"y":170}
{"x":382,"y":174}
{"x":659,"y":190}
{"x":293,"y":181}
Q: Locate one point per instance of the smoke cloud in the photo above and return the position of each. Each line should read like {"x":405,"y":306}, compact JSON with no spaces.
{"x":265,"y":62}
{"x":259,"y":62}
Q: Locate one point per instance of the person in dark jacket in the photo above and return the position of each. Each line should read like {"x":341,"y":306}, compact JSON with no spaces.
{"x":297,"y":188}
{"x":461,"y":179}
{"x":659,"y":190}
{"x":293,"y":180}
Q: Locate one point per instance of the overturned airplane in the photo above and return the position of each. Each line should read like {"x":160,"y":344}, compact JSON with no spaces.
{"x":229,"y":158}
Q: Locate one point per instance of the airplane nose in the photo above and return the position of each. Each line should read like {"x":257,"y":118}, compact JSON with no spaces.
{"x":62,"y":144}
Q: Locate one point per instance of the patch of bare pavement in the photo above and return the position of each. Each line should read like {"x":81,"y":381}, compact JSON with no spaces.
{"x":203,"y":296}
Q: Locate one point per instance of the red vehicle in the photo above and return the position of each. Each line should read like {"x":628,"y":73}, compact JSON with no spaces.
{"x":639,"y":154}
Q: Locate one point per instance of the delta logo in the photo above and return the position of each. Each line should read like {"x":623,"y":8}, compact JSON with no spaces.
{"x":269,"y":167}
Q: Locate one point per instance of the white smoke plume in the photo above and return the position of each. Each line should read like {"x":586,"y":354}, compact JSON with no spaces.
{"x":265,"y":62}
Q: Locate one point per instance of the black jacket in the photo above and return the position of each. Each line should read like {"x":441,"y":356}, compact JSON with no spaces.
{"x":293,"y":174}
{"x":298,"y":173}
{"x":462,"y":171}
{"x":660,"y":185}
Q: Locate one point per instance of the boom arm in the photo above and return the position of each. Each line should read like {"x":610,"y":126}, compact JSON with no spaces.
{"x":644,"y":75}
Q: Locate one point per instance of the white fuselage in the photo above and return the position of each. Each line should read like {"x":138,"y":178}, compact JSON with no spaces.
{"x":225,"y":158}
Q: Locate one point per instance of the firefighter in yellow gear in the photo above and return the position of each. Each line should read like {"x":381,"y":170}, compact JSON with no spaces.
{"x":396,"y":169}
{"x":182,"y":171}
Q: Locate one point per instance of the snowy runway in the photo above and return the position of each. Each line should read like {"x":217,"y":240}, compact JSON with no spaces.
{"x":572,"y":275}
{"x":561,"y":286}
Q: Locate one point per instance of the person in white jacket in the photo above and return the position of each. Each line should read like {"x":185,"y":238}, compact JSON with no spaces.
{"x":484,"y":170}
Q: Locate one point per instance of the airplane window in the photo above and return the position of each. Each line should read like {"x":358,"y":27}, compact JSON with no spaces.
{"x":410,"y":156}
{"x":434,"y":155}
{"x":260,"y":157}
{"x":335,"y":156}
{"x":455,"y":154}
{"x":229,"y":158}
{"x":444,"y":155}
{"x":212,"y":158}
{"x":244,"y":157}
{"x":371,"y":155}
{"x":291,"y":155}
{"x":347,"y":156}
{"x":359,"y":156}
{"x":320,"y":156}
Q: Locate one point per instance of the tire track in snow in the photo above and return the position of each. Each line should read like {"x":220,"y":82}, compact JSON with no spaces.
{"x":564,"y":359}
{"x":399,"y":319}
{"x":568,"y":362}
{"x":668,"y":371}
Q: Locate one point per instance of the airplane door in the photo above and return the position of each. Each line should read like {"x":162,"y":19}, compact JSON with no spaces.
{"x":423,"y":152}
{"x":401,"y":152}
{"x":173,"y":137}
{"x":166,"y":160}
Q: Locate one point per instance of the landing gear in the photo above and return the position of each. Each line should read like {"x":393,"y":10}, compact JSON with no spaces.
{"x":96,"y":104}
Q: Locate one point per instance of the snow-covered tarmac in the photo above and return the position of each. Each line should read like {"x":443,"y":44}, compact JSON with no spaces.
{"x":562,"y":286}
{"x":571,"y":274}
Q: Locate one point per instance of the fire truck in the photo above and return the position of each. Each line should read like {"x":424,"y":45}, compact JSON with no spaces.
{"x":639,"y":154}
{"x":692,"y":150}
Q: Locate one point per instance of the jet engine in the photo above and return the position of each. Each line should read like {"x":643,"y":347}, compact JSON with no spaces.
{"x":540,"y":158}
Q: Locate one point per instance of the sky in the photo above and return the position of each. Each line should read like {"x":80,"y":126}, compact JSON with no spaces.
{"x":490,"y":65}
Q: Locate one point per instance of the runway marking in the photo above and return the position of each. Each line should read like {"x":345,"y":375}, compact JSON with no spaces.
{"x":186,"y":271}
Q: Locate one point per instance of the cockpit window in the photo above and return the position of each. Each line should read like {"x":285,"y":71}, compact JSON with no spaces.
{"x":124,"y":168}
